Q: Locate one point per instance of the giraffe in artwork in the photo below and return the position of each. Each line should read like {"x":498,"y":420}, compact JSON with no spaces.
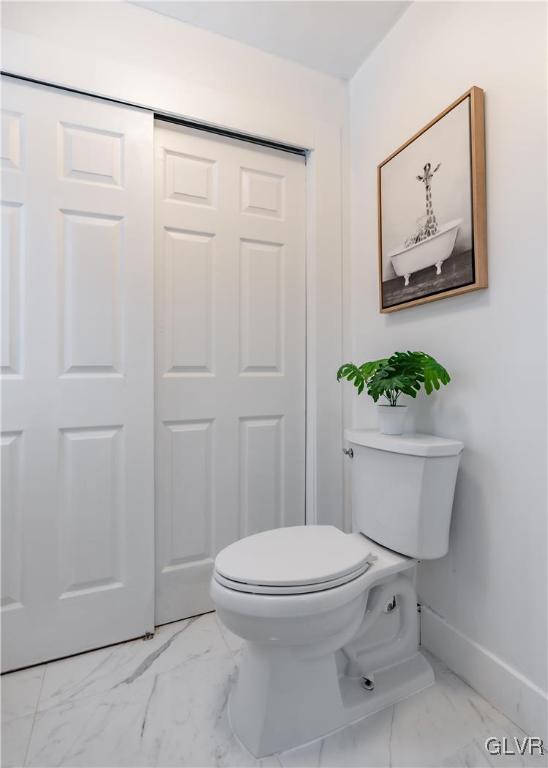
{"x":431,"y":225}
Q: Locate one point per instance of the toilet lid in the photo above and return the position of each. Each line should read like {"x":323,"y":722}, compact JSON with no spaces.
{"x":303,"y":555}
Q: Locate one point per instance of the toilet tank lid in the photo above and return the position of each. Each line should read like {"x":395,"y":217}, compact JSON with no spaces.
{"x":415,"y":444}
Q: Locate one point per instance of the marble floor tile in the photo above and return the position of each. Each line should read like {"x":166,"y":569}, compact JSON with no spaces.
{"x":174,"y":717}
{"x":160,"y":702}
{"x":20,"y":692}
{"x":91,"y":673}
{"x":163,"y":702}
{"x":15,"y":740}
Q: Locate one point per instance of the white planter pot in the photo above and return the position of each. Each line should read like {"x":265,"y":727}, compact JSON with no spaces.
{"x":392,"y":418}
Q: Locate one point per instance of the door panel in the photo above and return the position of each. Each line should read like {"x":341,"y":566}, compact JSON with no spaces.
{"x":230,"y":353}
{"x":77,"y":374}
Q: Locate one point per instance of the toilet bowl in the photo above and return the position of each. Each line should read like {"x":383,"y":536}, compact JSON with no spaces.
{"x":330,"y":618}
{"x":318,"y":611}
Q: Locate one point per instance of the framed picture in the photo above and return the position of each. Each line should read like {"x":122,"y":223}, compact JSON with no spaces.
{"x":432,"y":218}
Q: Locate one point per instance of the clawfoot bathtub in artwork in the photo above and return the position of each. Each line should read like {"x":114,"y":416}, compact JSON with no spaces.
{"x":431,"y":252}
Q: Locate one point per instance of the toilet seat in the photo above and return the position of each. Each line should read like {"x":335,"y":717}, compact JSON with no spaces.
{"x":293,"y":560}
{"x":262,"y":589}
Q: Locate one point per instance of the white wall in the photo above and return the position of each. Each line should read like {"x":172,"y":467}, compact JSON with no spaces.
{"x":126,"y":52}
{"x":486,"y":601}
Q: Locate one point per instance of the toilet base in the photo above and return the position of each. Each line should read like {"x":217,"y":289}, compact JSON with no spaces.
{"x":268,"y":720}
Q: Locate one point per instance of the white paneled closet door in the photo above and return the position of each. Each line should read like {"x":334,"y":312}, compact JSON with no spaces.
{"x":77,"y":374}
{"x":230,"y":353}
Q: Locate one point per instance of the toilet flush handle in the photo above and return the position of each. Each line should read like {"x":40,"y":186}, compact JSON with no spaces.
{"x":348,"y":452}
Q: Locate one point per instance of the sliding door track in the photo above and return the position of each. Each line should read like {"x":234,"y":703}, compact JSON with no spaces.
{"x":168,"y":117}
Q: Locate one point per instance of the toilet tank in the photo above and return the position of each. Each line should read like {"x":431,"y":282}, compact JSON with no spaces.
{"x":402,"y":490}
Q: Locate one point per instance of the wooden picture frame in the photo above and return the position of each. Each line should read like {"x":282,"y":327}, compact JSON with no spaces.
{"x":461,"y":240}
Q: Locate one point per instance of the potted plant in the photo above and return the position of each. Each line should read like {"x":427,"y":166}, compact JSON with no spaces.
{"x":402,"y":373}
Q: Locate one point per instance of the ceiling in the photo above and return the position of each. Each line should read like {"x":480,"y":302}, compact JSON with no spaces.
{"x":332,"y":37}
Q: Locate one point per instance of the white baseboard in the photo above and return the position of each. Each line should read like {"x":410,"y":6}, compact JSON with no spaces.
{"x":507,"y":689}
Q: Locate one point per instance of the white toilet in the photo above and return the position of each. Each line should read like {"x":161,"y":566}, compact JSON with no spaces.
{"x":330,"y":618}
